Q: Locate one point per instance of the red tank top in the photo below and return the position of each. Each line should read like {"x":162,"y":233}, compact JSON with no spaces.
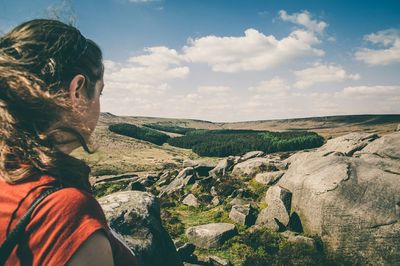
{"x":59,"y":224}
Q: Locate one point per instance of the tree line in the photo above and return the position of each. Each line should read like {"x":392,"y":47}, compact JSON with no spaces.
{"x":223,"y":142}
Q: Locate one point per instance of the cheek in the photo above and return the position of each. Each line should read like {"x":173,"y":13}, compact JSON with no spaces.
{"x":94,"y":115}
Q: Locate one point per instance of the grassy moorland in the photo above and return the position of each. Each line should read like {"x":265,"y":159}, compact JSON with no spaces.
{"x":120,"y":154}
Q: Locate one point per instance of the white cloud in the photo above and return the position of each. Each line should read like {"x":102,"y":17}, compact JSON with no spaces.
{"x":160,"y":64}
{"x":304,"y":19}
{"x":158,"y":56}
{"x":253,"y":51}
{"x":372,"y":91}
{"x":213,"y":89}
{"x":387,"y":52}
{"x":322,"y":73}
{"x":275,"y":85}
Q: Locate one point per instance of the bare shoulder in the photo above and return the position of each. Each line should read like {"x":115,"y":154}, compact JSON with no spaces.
{"x":96,"y":250}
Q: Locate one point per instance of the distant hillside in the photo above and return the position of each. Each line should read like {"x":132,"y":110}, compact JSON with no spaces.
{"x":120,"y":154}
{"x":327,"y":126}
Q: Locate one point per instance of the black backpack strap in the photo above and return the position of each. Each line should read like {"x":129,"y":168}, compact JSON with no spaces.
{"x":16,"y":234}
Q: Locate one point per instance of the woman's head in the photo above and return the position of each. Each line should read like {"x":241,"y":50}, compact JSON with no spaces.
{"x":50,"y":81}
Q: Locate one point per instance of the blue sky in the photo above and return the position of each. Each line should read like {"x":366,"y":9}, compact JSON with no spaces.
{"x":238,"y":60}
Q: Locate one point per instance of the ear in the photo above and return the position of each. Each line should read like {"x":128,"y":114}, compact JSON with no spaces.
{"x":76,"y":88}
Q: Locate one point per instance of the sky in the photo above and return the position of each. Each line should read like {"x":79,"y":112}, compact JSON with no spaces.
{"x":237,"y":60}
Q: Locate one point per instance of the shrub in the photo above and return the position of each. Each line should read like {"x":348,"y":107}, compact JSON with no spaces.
{"x":142,"y":133}
{"x":172,"y":223}
{"x":226,"y":142}
{"x":106,"y":188}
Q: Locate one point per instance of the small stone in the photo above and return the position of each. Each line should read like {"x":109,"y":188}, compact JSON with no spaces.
{"x":191,"y":200}
{"x":217,"y":261}
{"x":215,"y":201}
{"x":213,"y":191}
{"x":251,"y":154}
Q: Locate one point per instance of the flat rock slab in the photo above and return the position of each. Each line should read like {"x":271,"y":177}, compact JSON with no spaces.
{"x":210,"y":235}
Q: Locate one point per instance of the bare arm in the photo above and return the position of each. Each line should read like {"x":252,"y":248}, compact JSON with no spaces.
{"x":96,"y":250}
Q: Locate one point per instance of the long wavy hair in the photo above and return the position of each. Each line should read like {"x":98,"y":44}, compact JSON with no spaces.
{"x":38,"y":59}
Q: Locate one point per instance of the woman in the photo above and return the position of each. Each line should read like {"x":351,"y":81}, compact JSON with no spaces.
{"x":51,"y":78}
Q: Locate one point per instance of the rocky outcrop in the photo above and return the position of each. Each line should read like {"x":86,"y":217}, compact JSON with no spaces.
{"x":135,"y":216}
{"x":201,"y":167}
{"x":347,"y":192}
{"x":185,"y":177}
{"x":251,"y":154}
{"x":268,"y":178}
{"x":276,"y":215}
{"x":223,"y":166}
{"x":243,"y":214}
{"x":249,"y":168}
{"x":210,"y":235}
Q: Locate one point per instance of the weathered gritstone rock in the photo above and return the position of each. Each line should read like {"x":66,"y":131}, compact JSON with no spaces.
{"x":269,"y":178}
{"x":167,"y":177}
{"x":217,"y":261}
{"x":387,"y":146}
{"x":113,"y":178}
{"x":210,"y":235}
{"x":224,"y":166}
{"x":243,"y":214}
{"x":276,"y":215}
{"x":215,"y":201}
{"x":185,"y":177}
{"x":251,"y":154}
{"x":348,"y":144}
{"x":135,"y":216}
{"x":191,"y":200}
{"x":249,"y":168}
{"x":353,"y":203}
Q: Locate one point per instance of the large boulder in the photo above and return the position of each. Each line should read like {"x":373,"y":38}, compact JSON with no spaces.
{"x":352,"y":202}
{"x":276,"y":215}
{"x":249,"y":168}
{"x":243,"y":214}
{"x":210,"y":235}
{"x":135,"y":216}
